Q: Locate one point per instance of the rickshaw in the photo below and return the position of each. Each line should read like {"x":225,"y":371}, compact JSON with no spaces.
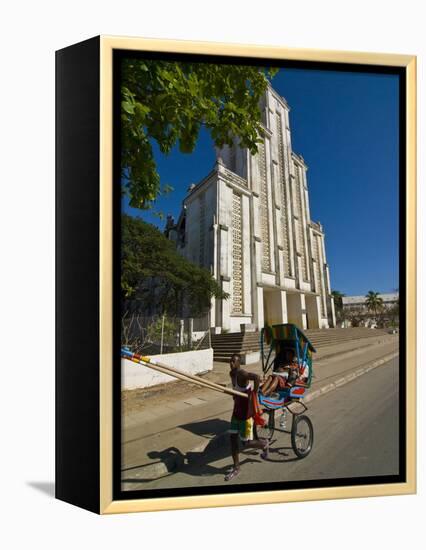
{"x":274,"y":341}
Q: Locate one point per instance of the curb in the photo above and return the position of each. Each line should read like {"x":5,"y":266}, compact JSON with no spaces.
{"x":349,"y":377}
{"x":170,"y":464}
{"x":330,"y":355}
{"x":159,"y":469}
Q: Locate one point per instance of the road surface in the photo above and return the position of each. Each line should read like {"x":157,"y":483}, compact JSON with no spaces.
{"x":356,"y":434}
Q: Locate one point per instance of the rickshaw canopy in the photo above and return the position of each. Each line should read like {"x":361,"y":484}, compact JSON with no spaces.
{"x":285,"y":336}
{"x":287,"y":332}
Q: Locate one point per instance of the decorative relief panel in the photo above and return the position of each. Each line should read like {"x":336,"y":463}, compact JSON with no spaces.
{"x":321,"y":273}
{"x":237,"y":255}
{"x":316,"y":263}
{"x":232,"y":178}
{"x":300,"y":237}
{"x":283,"y":177}
{"x":318,"y":283}
{"x":298,"y":193}
{"x":264,"y":211}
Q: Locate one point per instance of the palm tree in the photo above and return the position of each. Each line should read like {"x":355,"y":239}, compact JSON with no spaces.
{"x":374,"y":302}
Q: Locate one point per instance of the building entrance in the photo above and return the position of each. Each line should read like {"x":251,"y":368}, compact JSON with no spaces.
{"x":312,"y":319}
{"x":274,"y":306}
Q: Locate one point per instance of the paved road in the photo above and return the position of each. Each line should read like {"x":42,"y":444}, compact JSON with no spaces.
{"x":356,"y":434}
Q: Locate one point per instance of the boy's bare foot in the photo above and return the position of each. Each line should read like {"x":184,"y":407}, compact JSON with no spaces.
{"x":233,"y":473}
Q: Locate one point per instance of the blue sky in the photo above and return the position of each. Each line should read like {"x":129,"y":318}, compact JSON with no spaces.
{"x":345,"y":125}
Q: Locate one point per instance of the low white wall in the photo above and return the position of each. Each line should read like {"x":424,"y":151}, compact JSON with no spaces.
{"x":190,"y":362}
{"x":250,"y":357}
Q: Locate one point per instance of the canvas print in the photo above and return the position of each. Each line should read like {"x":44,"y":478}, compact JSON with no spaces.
{"x":258,"y":253}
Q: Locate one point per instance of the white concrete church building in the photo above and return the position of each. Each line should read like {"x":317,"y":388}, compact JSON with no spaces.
{"x":248,"y":222}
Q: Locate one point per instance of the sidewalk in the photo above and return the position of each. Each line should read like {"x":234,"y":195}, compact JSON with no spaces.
{"x":167,"y":398}
{"x":166,"y":424}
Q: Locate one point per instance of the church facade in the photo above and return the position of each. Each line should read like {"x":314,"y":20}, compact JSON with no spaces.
{"x":248,"y":222}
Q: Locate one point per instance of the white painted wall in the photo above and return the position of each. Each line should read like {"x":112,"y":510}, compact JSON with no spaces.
{"x":236,"y":321}
{"x":189,"y":362}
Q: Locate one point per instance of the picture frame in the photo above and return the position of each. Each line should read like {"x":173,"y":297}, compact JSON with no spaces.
{"x":88,"y":413}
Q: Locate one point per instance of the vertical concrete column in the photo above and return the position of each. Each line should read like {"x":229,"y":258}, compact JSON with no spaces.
{"x":226,"y":304}
{"x":281,"y":266}
{"x":181,"y":332}
{"x":303,"y":310}
{"x":318,"y":308}
{"x":259,"y":308}
{"x":308,"y":209}
{"x":332,"y":316}
{"x":216,"y":268}
{"x":225,"y":241}
{"x":327,"y":278}
{"x":254,"y":174}
{"x":257,"y":270}
{"x":310,"y":258}
{"x":257,"y":245}
{"x":190,"y":331}
{"x":223,"y":252}
{"x":283,"y":306}
{"x":323,"y":286}
{"x":213,"y":313}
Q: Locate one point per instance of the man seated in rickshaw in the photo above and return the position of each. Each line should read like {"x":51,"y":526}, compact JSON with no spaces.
{"x":287,"y":374}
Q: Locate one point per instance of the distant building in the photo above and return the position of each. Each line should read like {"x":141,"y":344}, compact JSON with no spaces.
{"x":248,"y":222}
{"x":352,"y":303}
{"x":355,"y":306}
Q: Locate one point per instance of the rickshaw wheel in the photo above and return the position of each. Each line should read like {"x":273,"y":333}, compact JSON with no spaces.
{"x":266,"y":431}
{"x":302,"y":436}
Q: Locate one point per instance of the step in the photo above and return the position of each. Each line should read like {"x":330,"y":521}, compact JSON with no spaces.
{"x":234,"y":338}
{"x":236,"y":345}
{"x":224,"y":345}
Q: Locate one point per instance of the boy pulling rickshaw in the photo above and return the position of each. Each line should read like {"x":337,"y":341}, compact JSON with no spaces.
{"x":287,"y":353}
{"x":242,"y":421}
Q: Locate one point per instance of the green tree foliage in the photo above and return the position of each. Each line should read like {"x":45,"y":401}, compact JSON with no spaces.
{"x":394,"y":313}
{"x":356,"y":316}
{"x":338,"y":304}
{"x":373,"y":302}
{"x":154,"y":276}
{"x":168,"y":102}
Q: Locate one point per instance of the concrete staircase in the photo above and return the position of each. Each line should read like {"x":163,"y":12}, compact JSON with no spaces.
{"x":224,"y":345}
{"x":328,"y":337}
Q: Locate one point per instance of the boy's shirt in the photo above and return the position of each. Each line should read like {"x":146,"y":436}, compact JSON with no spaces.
{"x":242,"y":409}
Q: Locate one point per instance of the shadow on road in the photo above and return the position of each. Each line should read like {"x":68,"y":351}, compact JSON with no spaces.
{"x":281,"y":454}
{"x":206,"y":428}
{"x":169,"y":455}
{"x":201,"y":463}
